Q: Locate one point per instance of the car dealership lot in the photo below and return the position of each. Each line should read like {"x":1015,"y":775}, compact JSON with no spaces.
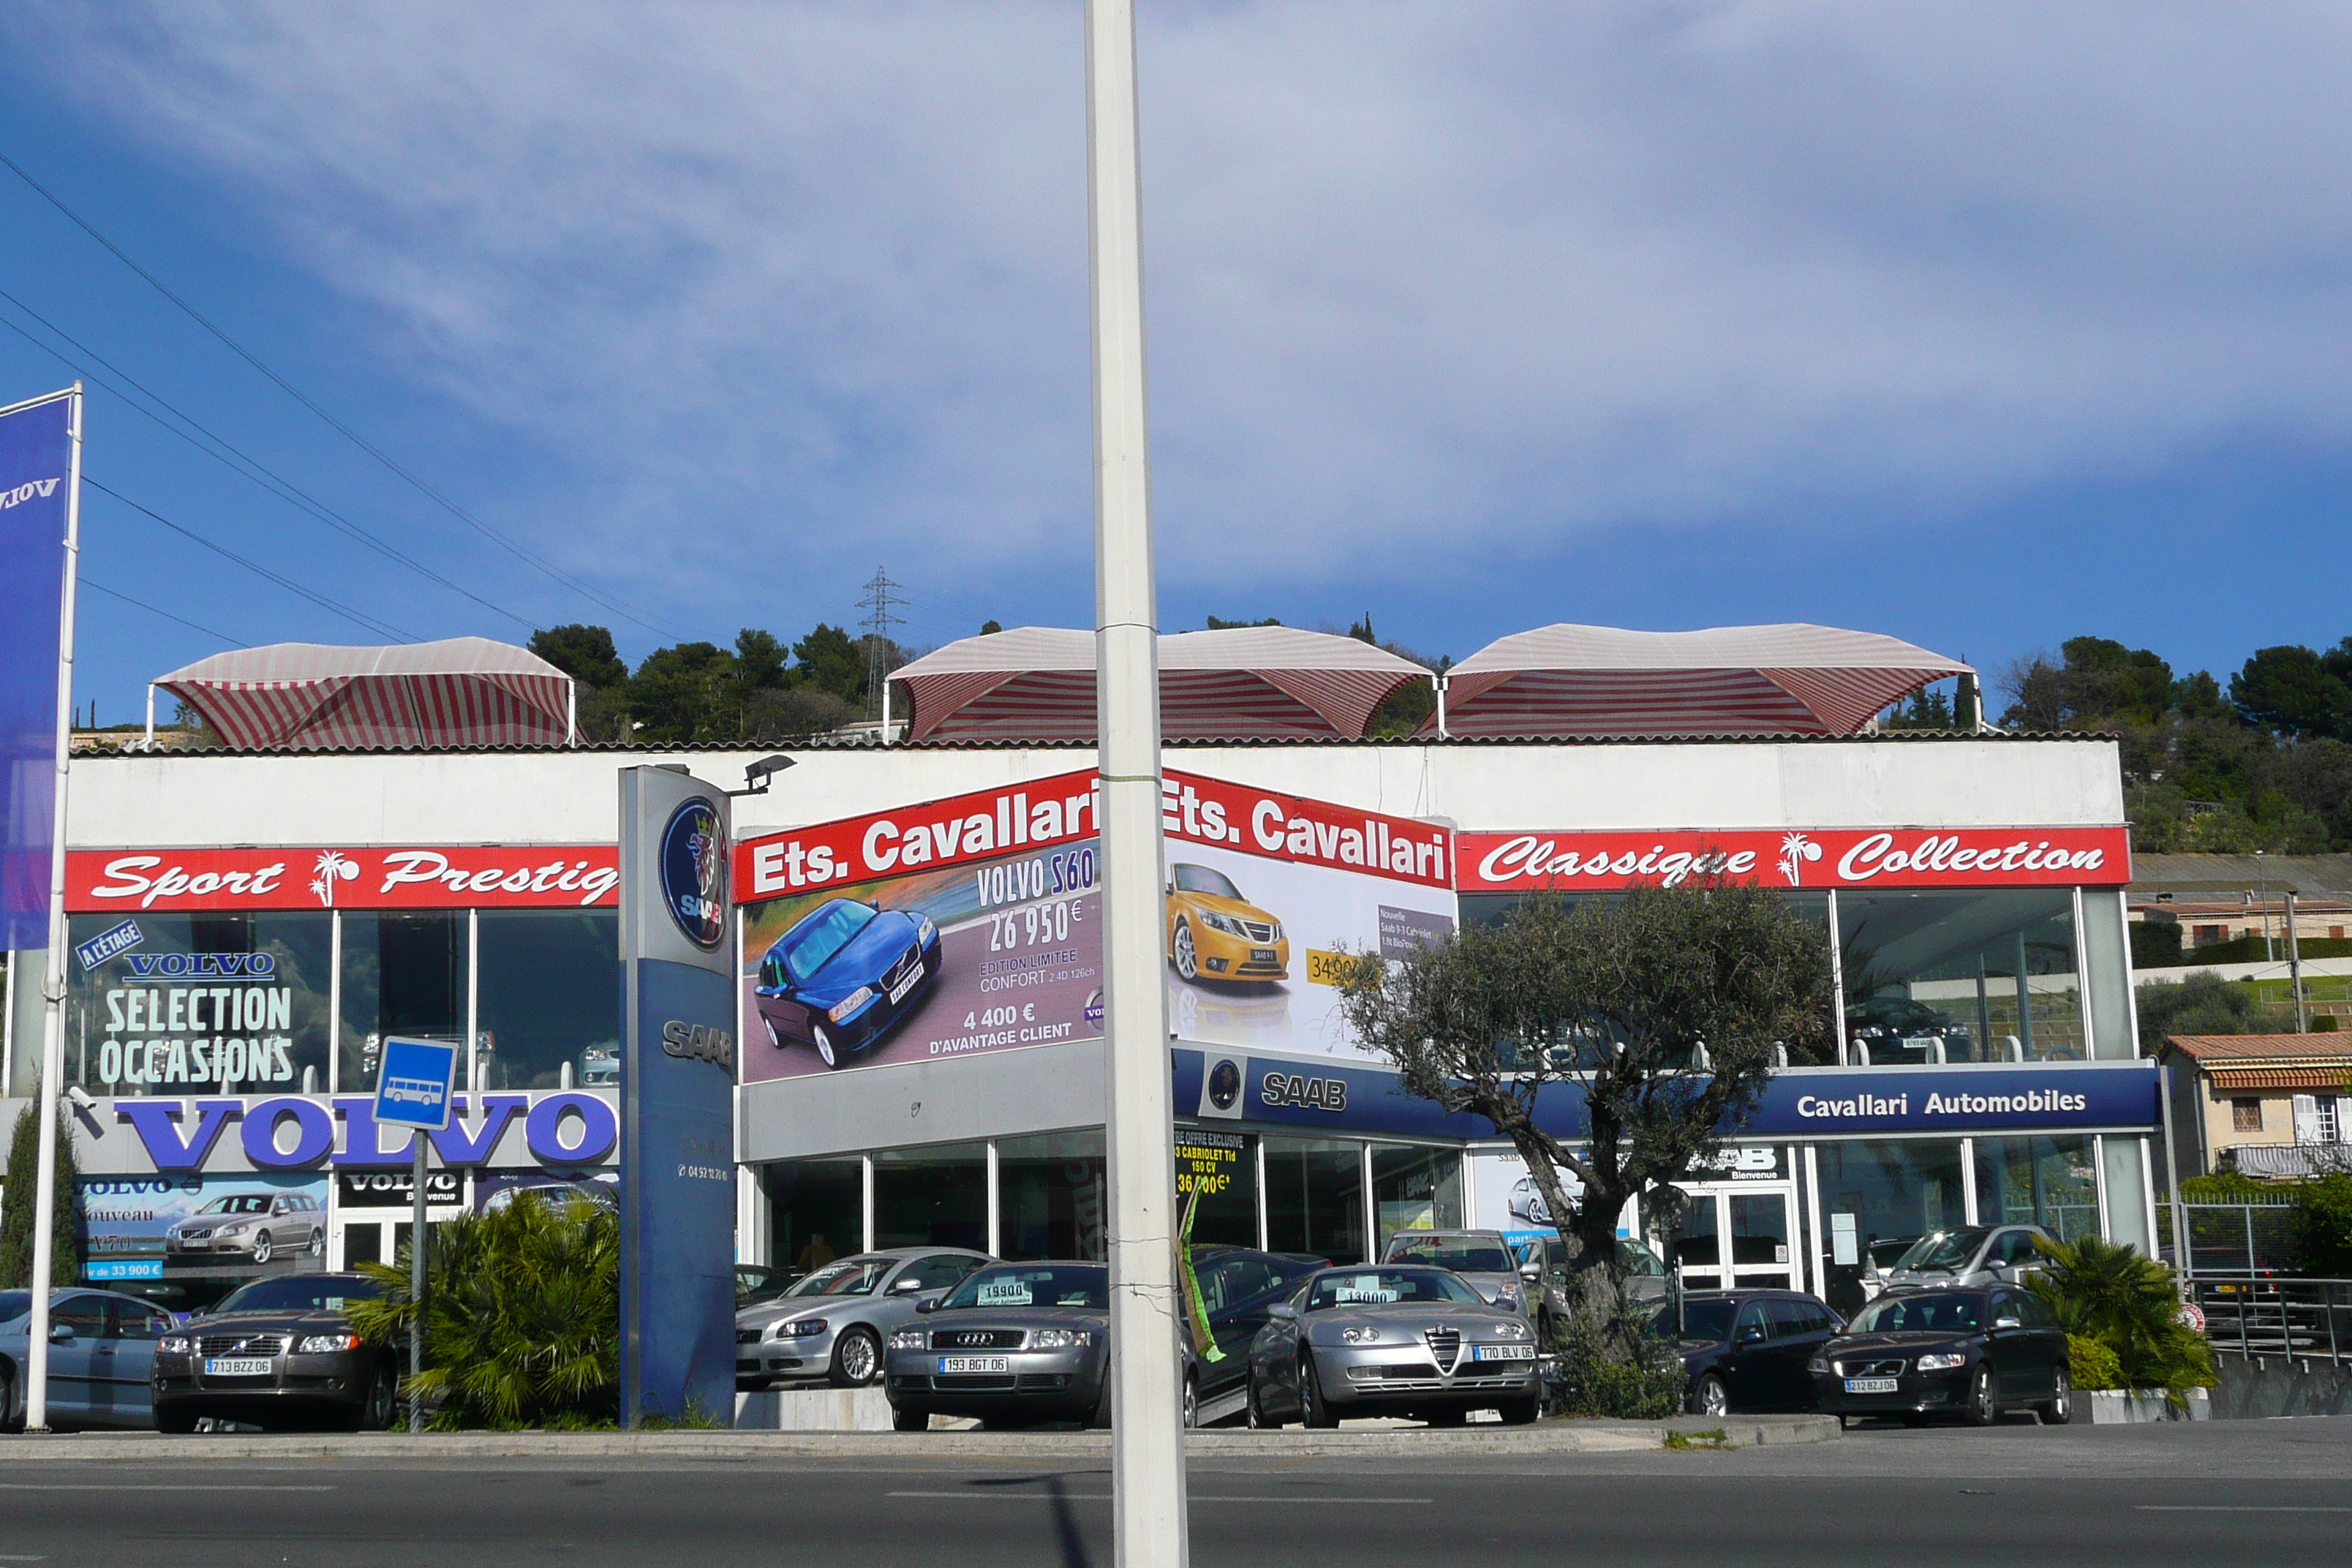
{"x":2244,"y":1491}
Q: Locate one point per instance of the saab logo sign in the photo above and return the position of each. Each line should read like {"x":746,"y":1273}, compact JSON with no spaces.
{"x":700,"y":1042}
{"x":1329,"y":1094}
{"x":694,"y":877}
{"x":107,"y":944}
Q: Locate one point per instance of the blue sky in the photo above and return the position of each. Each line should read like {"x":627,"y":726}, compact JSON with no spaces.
{"x":1983,"y":328}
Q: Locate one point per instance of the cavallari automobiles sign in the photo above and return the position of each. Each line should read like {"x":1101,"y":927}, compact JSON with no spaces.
{"x":528,"y":876}
{"x":1827,"y":857}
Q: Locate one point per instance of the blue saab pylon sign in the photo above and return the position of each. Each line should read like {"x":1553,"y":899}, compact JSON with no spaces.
{"x":677,"y":1089}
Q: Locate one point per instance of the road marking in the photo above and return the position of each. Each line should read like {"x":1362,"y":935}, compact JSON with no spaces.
{"x":1104,"y":1497}
{"x":68,"y":1486}
{"x":2236,"y":1507}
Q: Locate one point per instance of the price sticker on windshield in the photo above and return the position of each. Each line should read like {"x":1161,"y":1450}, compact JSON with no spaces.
{"x":1006,"y":1293}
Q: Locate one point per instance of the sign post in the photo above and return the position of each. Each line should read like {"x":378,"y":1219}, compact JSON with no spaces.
{"x":412,"y":1090}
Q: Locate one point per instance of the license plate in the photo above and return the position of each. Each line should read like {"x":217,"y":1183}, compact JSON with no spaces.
{"x":1503,"y":1353}
{"x":974,"y":1363}
{"x":1871,"y":1385}
{"x":906,"y":983}
{"x":1261,"y":955}
{"x":236,"y":1366}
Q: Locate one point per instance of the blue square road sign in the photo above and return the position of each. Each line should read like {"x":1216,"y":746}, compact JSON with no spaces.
{"x":413,"y":1084}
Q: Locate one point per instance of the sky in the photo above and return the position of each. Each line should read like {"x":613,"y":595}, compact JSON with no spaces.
{"x":1983,"y":327}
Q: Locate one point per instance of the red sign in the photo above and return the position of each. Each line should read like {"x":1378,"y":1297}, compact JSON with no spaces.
{"x":541,"y":876}
{"x":928,"y":836}
{"x":1828,"y":858}
{"x":1310,"y":832}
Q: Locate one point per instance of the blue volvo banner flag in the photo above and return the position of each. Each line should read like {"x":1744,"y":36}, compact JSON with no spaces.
{"x":35,"y":491}
{"x":679,"y":1003}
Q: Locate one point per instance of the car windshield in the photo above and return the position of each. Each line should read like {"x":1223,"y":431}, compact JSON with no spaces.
{"x":1200,"y":879}
{"x":1035,"y":1285}
{"x":14,"y":1304}
{"x":1705,"y":1320}
{"x":1379,"y":1287}
{"x":1636,"y":1258}
{"x":1930,"y":1312}
{"x":809,"y":946}
{"x":1943,"y":1250}
{"x":1461,"y":1254}
{"x":850,"y":1277}
{"x":242,"y":1203}
{"x":301,"y":1293}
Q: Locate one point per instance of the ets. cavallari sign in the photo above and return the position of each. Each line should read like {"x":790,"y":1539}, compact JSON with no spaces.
{"x":677,"y":1079}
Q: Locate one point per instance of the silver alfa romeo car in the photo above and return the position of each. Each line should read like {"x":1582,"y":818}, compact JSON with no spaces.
{"x":1391,"y":1340}
{"x":833,"y":1323}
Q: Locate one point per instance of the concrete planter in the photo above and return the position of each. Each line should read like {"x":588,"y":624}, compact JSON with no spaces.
{"x":812,"y":1410}
{"x":2131,"y":1406}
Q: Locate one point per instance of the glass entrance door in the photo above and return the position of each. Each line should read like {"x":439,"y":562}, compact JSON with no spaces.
{"x":1739,"y":1236}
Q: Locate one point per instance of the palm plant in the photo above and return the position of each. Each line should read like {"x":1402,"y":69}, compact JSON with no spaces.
{"x":521,"y":1320}
{"x":2106,"y":1291}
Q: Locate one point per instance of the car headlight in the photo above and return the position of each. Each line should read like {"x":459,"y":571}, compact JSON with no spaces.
{"x":1511,"y":1331}
{"x":172,"y":1344}
{"x":807,"y":1328}
{"x":1819,"y":1364}
{"x":850,"y":1003}
{"x":925,"y":930}
{"x":1942,"y":1362}
{"x":1363,"y":1336}
{"x":327,"y":1344}
{"x":1225,"y":923}
{"x":1059,"y":1339}
{"x":1507,"y":1298}
{"x":238,"y":1229}
{"x":911,"y":1340}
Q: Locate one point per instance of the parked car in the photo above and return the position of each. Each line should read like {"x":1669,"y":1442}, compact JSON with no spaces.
{"x":1390,"y":1339}
{"x":1965,"y":1352}
{"x":102,"y":1348}
{"x":1968,"y":1258}
{"x":756,"y":1283}
{"x":1237,"y":1286}
{"x":1014,"y":1344}
{"x":247,"y":1227}
{"x":1893,"y":1029}
{"x":557,"y":1196}
{"x":836,"y":1321}
{"x":1544,"y":1268}
{"x":1214,"y":933}
{"x":844,"y":976}
{"x":1747,"y":1349}
{"x":278,"y":1352}
{"x":1481,"y":1257}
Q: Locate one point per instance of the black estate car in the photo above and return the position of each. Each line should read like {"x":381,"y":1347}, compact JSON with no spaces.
{"x":1747,"y":1350}
{"x":278,"y":1353}
{"x":1969,"y":1353}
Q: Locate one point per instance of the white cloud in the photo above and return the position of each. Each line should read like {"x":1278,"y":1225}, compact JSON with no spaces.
{"x":1420,"y":275}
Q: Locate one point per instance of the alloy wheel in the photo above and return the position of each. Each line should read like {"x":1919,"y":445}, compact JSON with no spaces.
{"x":261,"y":1248}
{"x":1188,"y":960}
{"x":776,"y":1037}
{"x":2061,"y":1409}
{"x":1713,"y":1398}
{"x":1984,"y":1405}
{"x":1191,"y":1403}
{"x":825,"y":1046}
{"x":857,"y":1358}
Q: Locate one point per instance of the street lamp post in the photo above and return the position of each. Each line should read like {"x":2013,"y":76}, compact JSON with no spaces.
{"x":1149,"y":1521}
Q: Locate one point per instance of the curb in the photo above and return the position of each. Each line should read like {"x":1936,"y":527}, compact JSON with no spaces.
{"x":1549,"y":1437}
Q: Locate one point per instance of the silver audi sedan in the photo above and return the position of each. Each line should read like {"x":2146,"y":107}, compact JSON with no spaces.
{"x":833,"y":1323}
{"x":1016,"y":1344}
{"x":1391,"y":1340}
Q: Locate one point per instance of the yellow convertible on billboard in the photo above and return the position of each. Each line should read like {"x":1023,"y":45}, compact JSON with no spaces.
{"x":1214,"y":933}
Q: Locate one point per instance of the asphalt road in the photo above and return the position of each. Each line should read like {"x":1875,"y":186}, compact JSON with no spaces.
{"x":2240,"y":1493}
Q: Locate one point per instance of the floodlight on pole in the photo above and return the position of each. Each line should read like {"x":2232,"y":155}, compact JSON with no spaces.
{"x":1149,"y":1521}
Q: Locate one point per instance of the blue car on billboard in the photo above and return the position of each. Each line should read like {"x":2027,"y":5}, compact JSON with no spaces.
{"x":845,"y":975}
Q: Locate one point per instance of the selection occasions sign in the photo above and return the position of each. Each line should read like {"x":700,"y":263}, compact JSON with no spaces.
{"x":1826,"y":857}
{"x":36,"y":490}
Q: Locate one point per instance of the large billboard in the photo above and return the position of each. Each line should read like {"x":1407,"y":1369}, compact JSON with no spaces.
{"x":36,"y":490}
{"x":233,"y":1226}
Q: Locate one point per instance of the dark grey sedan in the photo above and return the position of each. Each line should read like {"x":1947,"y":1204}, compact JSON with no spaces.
{"x":278,"y":1353}
{"x":1015,"y":1344}
{"x":1969,"y":1353}
{"x":1388,"y":1340}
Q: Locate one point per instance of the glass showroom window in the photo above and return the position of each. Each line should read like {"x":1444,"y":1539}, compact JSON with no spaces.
{"x":933,"y":1198}
{"x":1416,"y":1189}
{"x":2048,"y":1181}
{"x":404,"y":973}
{"x":549,"y":999}
{"x":1315,"y":1197}
{"x":1877,"y":1198}
{"x":1959,"y":977}
{"x":229,"y":1003}
{"x":816,"y":1211}
{"x":1051,"y":1197}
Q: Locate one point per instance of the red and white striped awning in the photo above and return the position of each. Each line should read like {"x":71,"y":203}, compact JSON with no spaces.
{"x":1037,"y":683}
{"x":465,"y":691}
{"x":1790,"y":679}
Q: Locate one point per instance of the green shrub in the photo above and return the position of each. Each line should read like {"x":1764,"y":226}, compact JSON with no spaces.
{"x":2093,"y":1364}
{"x":522,"y":1317}
{"x":2324,"y":1227}
{"x":2228,"y":1187}
{"x":2103,"y":1290}
{"x":1610,"y":1363}
{"x":22,"y":1186}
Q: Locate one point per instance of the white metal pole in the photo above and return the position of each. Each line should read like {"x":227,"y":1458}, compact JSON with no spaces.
{"x":1148,"y":1496}
{"x":151,"y":715}
{"x":416,"y":1229}
{"x":571,"y":712}
{"x":53,"y":982}
{"x":885,"y":709}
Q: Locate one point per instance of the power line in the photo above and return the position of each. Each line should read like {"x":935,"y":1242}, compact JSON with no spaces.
{"x":451,"y":506}
{"x":357,"y":617}
{"x":877,"y":605}
{"x":235,"y":460}
{"x":89,"y":582}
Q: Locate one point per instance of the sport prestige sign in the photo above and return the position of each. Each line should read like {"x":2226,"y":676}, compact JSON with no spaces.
{"x":541,"y":876}
{"x":1825,"y":857}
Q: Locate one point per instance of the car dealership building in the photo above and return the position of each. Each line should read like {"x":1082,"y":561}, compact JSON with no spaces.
{"x":920,"y":1058}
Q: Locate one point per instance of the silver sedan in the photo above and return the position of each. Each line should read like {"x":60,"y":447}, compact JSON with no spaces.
{"x":1391,"y":1340}
{"x":833,"y":1323}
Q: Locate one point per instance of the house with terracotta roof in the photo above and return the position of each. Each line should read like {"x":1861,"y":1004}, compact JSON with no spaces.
{"x":2278,"y":1106}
